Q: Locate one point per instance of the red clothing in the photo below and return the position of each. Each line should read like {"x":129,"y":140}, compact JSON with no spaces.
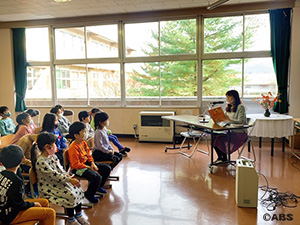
{"x":23,"y":130}
{"x":79,"y":154}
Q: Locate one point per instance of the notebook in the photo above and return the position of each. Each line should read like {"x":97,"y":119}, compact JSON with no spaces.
{"x":218,"y":116}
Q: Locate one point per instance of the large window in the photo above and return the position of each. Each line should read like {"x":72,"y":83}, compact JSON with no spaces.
{"x":154,"y":63}
{"x":37,"y":44}
{"x":69,"y":43}
{"x":38,"y":91}
{"x":71,"y":84}
{"x":102,"y":41}
{"x":228,"y":43}
{"x":104,"y":84}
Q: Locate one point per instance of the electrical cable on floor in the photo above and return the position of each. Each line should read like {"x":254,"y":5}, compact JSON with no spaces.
{"x":293,"y":164}
{"x":135,"y":134}
{"x":273,"y":198}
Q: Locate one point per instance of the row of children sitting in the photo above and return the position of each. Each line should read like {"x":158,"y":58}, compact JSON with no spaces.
{"x":81,"y":161}
{"x":54,"y":183}
{"x":27,"y":126}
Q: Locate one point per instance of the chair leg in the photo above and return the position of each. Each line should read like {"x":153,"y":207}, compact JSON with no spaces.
{"x":194,"y":149}
{"x":182,"y":143}
{"x":243,"y":157}
{"x":202,"y":151}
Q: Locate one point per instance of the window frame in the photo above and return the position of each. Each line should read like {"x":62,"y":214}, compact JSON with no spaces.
{"x":199,"y":56}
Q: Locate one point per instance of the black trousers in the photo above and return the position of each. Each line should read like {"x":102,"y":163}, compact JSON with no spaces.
{"x":96,"y":179}
{"x":221,"y":155}
{"x":115,"y":158}
{"x":60,"y":156}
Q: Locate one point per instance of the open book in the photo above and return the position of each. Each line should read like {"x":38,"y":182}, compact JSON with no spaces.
{"x":218,"y":116}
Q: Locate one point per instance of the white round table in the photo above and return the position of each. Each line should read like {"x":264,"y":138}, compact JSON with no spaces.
{"x":275,"y":126}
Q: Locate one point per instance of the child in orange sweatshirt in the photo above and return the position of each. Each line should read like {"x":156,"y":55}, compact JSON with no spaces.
{"x":82,"y":163}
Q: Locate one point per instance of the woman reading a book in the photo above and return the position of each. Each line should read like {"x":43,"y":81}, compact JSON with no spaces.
{"x":236,"y":114}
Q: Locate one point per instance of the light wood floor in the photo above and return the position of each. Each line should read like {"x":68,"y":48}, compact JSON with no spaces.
{"x":158,"y":188}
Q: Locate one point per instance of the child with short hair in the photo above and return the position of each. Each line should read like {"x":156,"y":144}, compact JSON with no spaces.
{"x":22,"y":128}
{"x":54,"y":183}
{"x":65,"y":119}
{"x":62,"y":125}
{"x":7,"y":125}
{"x":13,"y":209}
{"x":85,"y":117}
{"x":82,"y":163}
{"x":113,"y":138}
{"x":103,"y":149}
{"x":50,"y":124}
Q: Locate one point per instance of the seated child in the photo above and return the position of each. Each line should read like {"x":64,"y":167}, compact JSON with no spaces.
{"x":13,"y":209}
{"x":113,"y":138}
{"x":7,"y":125}
{"x":22,"y":128}
{"x":93,"y":113}
{"x":54,"y":183}
{"x":85,"y":117}
{"x":103,"y":149}
{"x":33,"y":113}
{"x":82,"y":163}
{"x":50,"y":124}
{"x":62,"y":125}
{"x":65,"y":119}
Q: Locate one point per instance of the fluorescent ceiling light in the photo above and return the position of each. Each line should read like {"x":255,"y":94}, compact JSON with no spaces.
{"x":216,"y":4}
{"x":62,"y":0}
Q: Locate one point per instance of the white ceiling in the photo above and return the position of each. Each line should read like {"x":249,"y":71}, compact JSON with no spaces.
{"x":18,"y":10}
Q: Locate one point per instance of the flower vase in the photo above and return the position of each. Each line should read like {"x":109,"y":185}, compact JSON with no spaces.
{"x":267,"y":113}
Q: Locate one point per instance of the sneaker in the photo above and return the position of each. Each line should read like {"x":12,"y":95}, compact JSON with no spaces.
{"x":127,"y":149}
{"x":82,"y":220}
{"x":92,"y":199}
{"x":73,"y":222}
{"x":102,"y":190}
{"x":124,"y":154}
{"x":218,"y":161}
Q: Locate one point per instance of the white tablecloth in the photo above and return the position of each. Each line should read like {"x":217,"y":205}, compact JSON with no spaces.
{"x":275,"y":126}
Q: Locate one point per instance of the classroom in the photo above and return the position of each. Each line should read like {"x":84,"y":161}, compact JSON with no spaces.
{"x":151,"y":58}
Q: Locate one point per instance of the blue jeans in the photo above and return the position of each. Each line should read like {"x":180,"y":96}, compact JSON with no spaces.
{"x":115,"y":141}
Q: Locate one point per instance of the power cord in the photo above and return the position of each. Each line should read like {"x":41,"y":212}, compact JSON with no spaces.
{"x":135,"y":131}
{"x":273,"y":198}
{"x":294,"y":163}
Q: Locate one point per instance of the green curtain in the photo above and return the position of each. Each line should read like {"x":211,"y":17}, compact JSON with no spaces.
{"x":280,"y":21}
{"x":20,"y":68}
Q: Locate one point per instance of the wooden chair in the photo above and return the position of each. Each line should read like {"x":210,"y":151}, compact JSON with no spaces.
{"x":69,"y":112}
{"x":91,"y":144}
{"x":5,"y":140}
{"x":38,"y":130}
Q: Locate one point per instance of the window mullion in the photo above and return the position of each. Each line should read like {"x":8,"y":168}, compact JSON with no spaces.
{"x":121,"y":47}
{"x":86,"y":69}
{"x":52,"y":66}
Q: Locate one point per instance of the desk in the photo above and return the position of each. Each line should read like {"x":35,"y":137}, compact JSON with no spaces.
{"x":275,"y":126}
{"x":209,"y":127}
{"x":296,"y":126}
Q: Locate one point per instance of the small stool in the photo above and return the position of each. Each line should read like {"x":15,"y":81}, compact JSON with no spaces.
{"x":193,"y":134}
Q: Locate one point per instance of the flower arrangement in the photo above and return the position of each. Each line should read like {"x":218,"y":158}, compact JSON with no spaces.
{"x":267,"y":101}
